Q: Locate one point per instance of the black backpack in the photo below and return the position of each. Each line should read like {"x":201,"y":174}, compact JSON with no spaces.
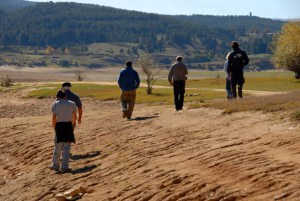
{"x":238,"y":60}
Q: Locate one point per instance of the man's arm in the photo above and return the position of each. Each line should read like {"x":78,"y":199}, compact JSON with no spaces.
{"x":246,"y":59}
{"x":137,"y":79}
{"x":186,"y":70}
{"x":230,"y":58}
{"x":170,"y":76}
{"x":74,"y":117}
{"x":79,"y":115}
{"x":120,"y":80}
{"x":54,"y":121}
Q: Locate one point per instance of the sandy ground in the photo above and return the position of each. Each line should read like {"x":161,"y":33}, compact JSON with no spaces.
{"x":194,"y":154}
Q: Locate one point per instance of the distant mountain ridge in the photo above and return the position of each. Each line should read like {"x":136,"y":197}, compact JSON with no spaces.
{"x":67,"y":24}
{"x":10,"y":5}
{"x":288,"y":20}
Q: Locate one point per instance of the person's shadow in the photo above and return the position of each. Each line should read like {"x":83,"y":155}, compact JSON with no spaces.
{"x":86,"y":168}
{"x":87,"y":155}
{"x":144,"y":118}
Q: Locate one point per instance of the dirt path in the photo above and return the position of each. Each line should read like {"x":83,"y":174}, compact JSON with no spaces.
{"x":196,"y":154}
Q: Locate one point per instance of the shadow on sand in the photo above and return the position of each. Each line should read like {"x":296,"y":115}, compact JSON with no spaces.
{"x":83,"y":169}
{"x":87,"y":155}
{"x":144,"y":118}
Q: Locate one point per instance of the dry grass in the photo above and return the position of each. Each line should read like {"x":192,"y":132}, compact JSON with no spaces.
{"x":289,"y":102}
{"x":263,"y":83}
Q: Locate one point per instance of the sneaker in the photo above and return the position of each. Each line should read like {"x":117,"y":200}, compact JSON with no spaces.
{"x":52,"y":168}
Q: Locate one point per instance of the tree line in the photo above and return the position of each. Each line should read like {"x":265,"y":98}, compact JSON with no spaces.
{"x":68,"y":24}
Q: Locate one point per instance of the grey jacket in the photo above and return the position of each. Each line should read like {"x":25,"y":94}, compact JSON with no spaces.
{"x":177,"y":72}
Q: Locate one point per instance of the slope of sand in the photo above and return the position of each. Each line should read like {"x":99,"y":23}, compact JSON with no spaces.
{"x":194,"y":154}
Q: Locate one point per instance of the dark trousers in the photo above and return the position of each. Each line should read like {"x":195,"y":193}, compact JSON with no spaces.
{"x":179,"y":90}
{"x":237,"y":78}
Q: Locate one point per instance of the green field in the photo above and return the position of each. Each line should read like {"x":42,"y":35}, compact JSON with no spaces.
{"x":108,"y":92}
{"x":201,"y":93}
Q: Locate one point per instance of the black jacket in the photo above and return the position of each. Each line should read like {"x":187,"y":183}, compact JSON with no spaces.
{"x":237,"y":55}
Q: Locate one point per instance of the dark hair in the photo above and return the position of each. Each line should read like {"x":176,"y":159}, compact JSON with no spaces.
{"x":234,"y":44}
{"x":128,"y":63}
{"x":179,"y":58}
{"x":66,"y":84}
{"x":60,"y":94}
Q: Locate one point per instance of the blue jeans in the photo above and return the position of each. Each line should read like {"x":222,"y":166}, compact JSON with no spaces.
{"x":228,"y":88}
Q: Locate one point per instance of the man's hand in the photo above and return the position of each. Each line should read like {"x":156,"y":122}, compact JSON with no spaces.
{"x":171,"y":83}
{"x":79,"y":120}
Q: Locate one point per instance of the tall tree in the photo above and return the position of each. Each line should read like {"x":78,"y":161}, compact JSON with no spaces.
{"x":287,"y":48}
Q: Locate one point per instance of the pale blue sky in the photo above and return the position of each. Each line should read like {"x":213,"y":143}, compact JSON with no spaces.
{"x":284,"y":9}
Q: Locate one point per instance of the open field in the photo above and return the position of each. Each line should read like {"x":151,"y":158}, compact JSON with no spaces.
{"x":212,"y":150}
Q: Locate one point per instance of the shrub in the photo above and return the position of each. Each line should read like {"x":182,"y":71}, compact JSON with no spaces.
{"x":7,"y":81}
{"x":79,"y":75}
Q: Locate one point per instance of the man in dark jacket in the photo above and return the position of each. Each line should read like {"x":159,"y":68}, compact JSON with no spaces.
{"x":128,"y":81}
{"x":237,"y":60}
{"x":66,"y":87}
{"x":177,"y":77}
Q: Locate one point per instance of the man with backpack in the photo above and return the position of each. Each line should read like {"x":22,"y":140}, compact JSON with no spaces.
{"x":237,"y":60}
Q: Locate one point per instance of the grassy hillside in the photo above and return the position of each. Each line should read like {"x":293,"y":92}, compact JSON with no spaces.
{"x":198,"y":38}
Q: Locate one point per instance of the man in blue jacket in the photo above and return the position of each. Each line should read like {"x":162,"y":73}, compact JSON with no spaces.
{"x":128,"y":81}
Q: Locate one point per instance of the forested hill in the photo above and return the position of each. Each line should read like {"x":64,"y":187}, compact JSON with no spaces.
{"x":67,"y":24}
{"x":241,"y":23}
{"x":10,"y":5}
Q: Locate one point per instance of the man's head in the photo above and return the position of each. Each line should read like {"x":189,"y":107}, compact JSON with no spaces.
{"x":66,"y":86}
{"x":128,"y":63}
{"x":179,"y":58}
{"x":234,"y":45}
{"x":60,"y":94}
